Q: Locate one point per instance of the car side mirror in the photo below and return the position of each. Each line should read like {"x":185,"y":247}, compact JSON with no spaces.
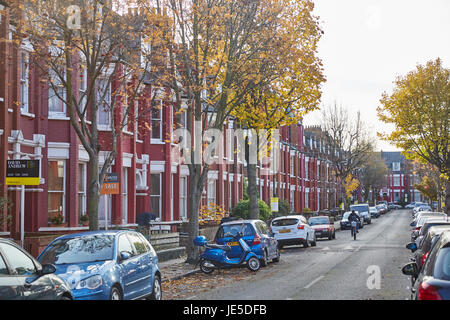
{"x":412,"y":224}
{"x":48,"y":269}
{"x":410,"y":269}
{"x":124,"y":255}
{"x":411,"y":246}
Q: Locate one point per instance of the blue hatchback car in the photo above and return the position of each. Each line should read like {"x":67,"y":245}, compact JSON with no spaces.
{"x":106,"y":265}
{"x":256,"y":234}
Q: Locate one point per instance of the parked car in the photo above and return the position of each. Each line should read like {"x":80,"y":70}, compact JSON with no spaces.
{"x":256,"y":234}
{"x":374,"y":213}
{"x":425,"y":243}
{"x":380,"y":209}
{"x":423,"y":207}
{"x":427,"y":213}
{"x":367,"y":218}
{"x":433,"y":281}
{"x":106,"y":265}
{"x":323,"y":227}
{"x":293,"y":230}
{"x":424,"y":220}
{"x":363,"y":210}
{"x":24,"y":278}
{"x":391,"y":206}
{"x":431,"y":222}
{"x":410,"y":205}
{"x":345,"y":224}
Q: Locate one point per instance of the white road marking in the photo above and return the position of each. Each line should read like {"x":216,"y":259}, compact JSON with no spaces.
{"x":314,"y":282}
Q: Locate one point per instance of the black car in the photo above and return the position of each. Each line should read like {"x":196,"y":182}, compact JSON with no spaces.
{"x":23,"y":278}
{"x":433,"y":281}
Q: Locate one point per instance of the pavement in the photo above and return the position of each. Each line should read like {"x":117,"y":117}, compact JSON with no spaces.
{"x":175,"y":269}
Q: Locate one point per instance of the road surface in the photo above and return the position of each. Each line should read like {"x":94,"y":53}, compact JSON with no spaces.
{"x":345,"y":269}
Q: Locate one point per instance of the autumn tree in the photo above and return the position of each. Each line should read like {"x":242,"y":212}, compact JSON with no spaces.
{"x":210,"y":46}
{"x":419,"y":108}
{"x":294,"y":75}
{"x":90,"y":54}
{"x":349,"y":139}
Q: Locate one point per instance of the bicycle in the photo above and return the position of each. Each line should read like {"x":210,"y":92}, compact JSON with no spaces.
{"x":353,"y":228}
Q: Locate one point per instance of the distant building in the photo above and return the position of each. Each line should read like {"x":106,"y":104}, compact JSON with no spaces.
{"x":400,"y":179}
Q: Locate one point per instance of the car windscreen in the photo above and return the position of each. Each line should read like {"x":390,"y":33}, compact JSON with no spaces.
{"x":79,"y":250}
{"x":442,"y":265}
{"x":428,"y":225}
{"x":284,"y":222}
{"x":317,"y":221}
{"x":360,"y":208}
{"x":345,"y":216}
{"x":231,"y":230}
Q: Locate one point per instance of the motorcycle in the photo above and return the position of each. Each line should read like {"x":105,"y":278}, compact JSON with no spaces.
{"x":215,"y":256}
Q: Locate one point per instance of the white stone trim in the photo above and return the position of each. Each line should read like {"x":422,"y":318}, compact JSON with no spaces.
{"x":58,"y":150}
{"x":157,"y":166}
{"x":213,"y":174}
{"x":184,"y":170}
{"x":127,"y":159}
{"x":82,"y":154}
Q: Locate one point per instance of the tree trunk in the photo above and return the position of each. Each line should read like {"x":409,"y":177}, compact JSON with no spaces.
{"x":93,"y":193}
{"x":195,"y":198}
{"x":252,"y":191}
{"x":447,"y":197}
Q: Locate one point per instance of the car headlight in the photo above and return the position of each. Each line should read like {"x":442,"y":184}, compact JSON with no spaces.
{"x":90,"y":283}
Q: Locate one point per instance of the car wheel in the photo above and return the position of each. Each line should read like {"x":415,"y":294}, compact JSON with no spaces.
{"x":264,"y":259}
{"x":306,"y":242}
{"x":115,"y":294}
{"x":253,"y":264}
{"x":156,"y":292}
{"x":313,"y":243}
{"x":277,"y":258}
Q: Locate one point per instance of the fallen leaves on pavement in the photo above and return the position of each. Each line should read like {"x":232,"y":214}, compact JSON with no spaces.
{"x":190,"y":286}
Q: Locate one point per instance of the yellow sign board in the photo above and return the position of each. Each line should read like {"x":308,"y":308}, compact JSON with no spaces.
{"x":22,"y":181}
{"x":274,"y":204}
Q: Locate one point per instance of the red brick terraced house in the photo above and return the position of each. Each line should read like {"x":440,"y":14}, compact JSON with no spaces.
{"x":34,"y":124}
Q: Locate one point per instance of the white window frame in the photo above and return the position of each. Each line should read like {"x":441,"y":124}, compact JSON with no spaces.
{"x":83,"y":83}
{"x":106,"y":101}
{"x":159,"y":195}
{"x":307,"y":199}
{"x":64,"y":187}
{"x":211,"y":196}
{"x":83,"y":193}
{"x":61,"y":103}
{"x":25,"y":82}
{"x":124,"y":195}
{"x":183,"y":198}
{"x":292,"y":200}
{"x":160,"y":120}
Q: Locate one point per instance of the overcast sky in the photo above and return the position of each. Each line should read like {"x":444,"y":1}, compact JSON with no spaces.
{"x":368,"y":43}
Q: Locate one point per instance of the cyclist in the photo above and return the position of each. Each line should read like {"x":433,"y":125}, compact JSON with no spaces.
{"x":354,"y":217}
